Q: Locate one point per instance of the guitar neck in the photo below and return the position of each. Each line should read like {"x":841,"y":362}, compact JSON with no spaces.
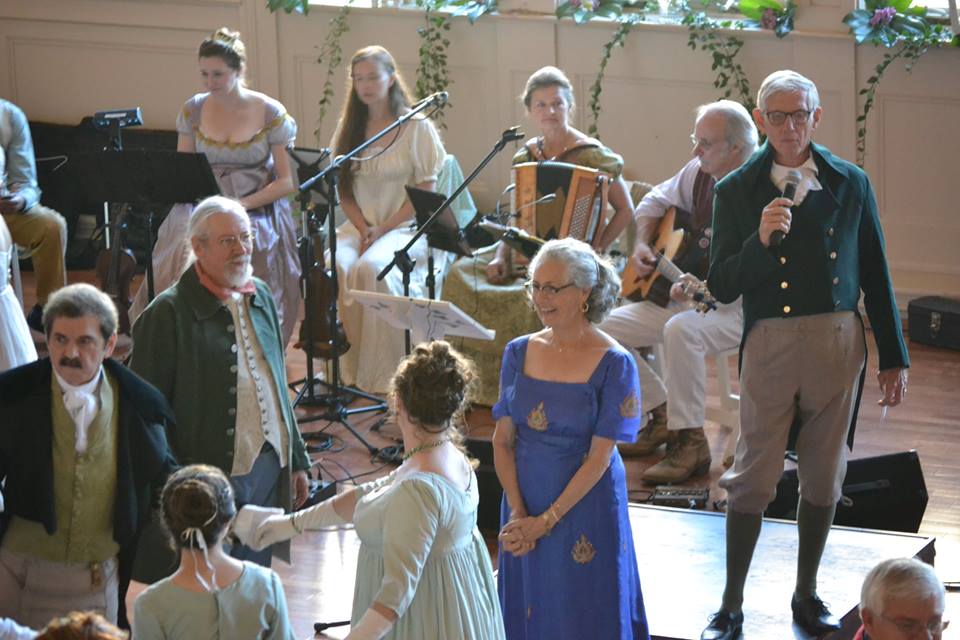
{"x":669,"y":270}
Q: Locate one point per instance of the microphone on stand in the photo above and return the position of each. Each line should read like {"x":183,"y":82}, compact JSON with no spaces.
{"x":516,"y":238}
{"x":789,"y":192}
{"x":511,"y":134}
{"x":437,"y":99}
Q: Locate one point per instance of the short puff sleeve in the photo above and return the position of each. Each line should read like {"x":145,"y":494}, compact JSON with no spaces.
{"x":618,"y":399}
{"x":280,"y":125}
{"x":510,"y":368}
{"x":427,"y":151}
{"x":189,"y":117}
{"x":602,"y":159}
{"x":411,"y":521}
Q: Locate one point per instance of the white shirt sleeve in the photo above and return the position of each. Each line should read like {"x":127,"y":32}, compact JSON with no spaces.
{"x":675,"y":192}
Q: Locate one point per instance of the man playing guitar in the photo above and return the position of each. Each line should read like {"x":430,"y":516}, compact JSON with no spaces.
{"x":724,"y":137}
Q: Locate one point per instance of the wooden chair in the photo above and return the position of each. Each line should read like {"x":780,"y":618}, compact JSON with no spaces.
{"x":727,"y":415}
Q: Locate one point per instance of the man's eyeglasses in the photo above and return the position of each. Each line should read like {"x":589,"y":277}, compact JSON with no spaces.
{"x":546,"y":289}
{"x":800,"y":116}
{"x":230,"y":242}
{"x":706,"y":145}
{"x":915,"y":628}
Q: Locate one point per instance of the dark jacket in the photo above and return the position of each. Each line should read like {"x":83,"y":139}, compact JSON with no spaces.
{"x":26,"y":454}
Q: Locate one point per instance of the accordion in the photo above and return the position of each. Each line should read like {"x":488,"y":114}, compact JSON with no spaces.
{"x":577,"y":210}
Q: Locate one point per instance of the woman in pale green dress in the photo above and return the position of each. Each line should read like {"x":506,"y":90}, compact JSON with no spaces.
{"x":211,"y":596}
{"x":424,"y":570}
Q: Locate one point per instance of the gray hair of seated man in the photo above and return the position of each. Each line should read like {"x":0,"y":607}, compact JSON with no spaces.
{"x":78,"y":300}
{"x":587,"y":271}
{"x":741,"y":130}
{"x":787,"y":81}
{"x":197,"y":227}
{"x":899,"y":579}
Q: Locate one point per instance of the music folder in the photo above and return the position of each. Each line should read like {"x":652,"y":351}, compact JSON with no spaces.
{"x":445,"y":232}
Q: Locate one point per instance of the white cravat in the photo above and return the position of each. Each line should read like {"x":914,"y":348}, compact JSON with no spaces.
{"x":82,"y":404}
{"x":809,"y":182}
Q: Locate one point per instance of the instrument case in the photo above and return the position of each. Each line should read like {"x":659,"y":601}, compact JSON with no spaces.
{"x":934,"y":320}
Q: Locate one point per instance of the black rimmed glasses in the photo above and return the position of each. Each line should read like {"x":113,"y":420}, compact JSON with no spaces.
{"x":799,"y":117}
{"x":546,"y":289}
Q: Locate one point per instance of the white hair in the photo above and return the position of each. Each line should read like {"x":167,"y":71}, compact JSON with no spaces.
{"x":740,"y":128}
{"x":787,"y":81}
{"x":587,"y":271}
{"x":899,"y":579}
{"x":197,"y":227}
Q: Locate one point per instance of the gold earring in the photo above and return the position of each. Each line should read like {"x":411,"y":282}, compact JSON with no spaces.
{"x":585,"y":307}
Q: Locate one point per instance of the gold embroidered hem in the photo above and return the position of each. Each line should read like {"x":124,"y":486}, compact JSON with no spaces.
{"x":583,"y":552}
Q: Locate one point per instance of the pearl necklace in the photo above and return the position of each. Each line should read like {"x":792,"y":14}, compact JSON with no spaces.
{"x":424,"y":447}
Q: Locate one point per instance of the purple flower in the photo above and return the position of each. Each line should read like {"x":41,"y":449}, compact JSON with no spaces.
{"x":883,"y":16}
{"x":768,"y":19}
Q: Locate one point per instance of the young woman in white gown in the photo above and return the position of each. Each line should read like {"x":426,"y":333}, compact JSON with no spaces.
{"x":377,"y":209}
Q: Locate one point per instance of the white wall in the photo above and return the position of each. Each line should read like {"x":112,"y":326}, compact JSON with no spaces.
{"x":64,"y":59}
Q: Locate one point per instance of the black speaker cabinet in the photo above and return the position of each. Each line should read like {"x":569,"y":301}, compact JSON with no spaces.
{"x":885,"y":492}
{"x":488,"y":514}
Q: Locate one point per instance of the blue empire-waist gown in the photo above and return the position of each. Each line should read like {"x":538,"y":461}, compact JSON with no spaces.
{"x":581,"y":579}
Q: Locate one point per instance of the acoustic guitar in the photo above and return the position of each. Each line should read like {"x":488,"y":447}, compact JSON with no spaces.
{"x":668,"y":242}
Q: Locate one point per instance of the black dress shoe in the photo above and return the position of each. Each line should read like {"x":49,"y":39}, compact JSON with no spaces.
{"x":723,"y":626}
{"x":813,"y":616}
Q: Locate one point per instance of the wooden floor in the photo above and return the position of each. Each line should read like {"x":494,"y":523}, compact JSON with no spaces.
{"x":927,"y":421}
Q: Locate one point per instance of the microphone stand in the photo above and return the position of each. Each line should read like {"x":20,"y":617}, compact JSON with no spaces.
{"x":340,"y":396}
{"x":402,"y":259}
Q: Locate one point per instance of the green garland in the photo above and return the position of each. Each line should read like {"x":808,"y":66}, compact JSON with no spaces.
{"x":617,"y":40}
{"x":895,"y":25}
{"x":705,"y":34}
{"x":331,"y":52}
{"x":432,"y":71}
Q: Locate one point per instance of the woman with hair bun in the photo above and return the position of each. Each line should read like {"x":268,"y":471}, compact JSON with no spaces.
{"x":424,"y":570}
{"x":244,"y":134}
{"x":211,"y":595}
{"x":568,"y":394}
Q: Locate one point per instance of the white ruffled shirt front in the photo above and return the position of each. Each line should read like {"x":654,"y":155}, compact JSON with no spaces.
{"x":82,"y":403}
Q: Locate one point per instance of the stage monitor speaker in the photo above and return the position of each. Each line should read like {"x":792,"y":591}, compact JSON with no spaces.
{"x":488,"y":513}
{"x":884,"y":492}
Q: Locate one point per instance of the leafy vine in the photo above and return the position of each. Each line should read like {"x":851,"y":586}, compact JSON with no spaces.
{"x":432,"y":71}
{"x":895,"y":25}
{"x":331,"y":52}
{"x":617,"y":40}
{"x":705,"y":34}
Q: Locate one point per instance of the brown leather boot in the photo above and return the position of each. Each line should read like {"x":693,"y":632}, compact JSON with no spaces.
{"x":653,"y":435}
{"x":688,"y":454}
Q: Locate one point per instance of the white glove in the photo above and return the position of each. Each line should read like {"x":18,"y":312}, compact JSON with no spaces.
{"x":249,"y":519}
{"x":372,"y":626}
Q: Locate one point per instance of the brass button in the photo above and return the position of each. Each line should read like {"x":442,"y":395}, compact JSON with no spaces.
{"x":233,"y":368}
{"x":830,"y":231}
{"x":836,"y":281}
{"x":783,"y":259}
{"x":230,"y":432}
{"x":230,"y":328}
{"x":232,"y":411}
{"x":833,"y":255}
{"x":786,"y":308}
{"x":836,"y":303}
{"x":233,"y":348}
{"x":232,"y":391}
{"x":784,"y":285}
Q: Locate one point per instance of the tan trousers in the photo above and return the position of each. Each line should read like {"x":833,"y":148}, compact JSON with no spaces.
{"x":34,"y":591}
{"x":810,"y":367}
{"x":44,"y":232}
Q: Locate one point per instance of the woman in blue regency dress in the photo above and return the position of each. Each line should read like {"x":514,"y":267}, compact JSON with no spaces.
{"x":244,"y":135}
{"x":568,"y":394}
{"x":423,"y":572}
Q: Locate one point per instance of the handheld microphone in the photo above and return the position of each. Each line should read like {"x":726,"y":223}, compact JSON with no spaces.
{"x":789,"y":192}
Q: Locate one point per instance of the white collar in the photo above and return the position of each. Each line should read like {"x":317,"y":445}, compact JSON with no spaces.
{"x":86,"y":388}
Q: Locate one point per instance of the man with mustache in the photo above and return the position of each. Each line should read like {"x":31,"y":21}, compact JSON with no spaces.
{"x":212,"y":345}
{"x":83,"y":454}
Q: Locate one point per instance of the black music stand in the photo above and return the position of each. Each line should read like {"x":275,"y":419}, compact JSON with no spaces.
{"x":146,"y":179}
{"x":444,"y":234}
